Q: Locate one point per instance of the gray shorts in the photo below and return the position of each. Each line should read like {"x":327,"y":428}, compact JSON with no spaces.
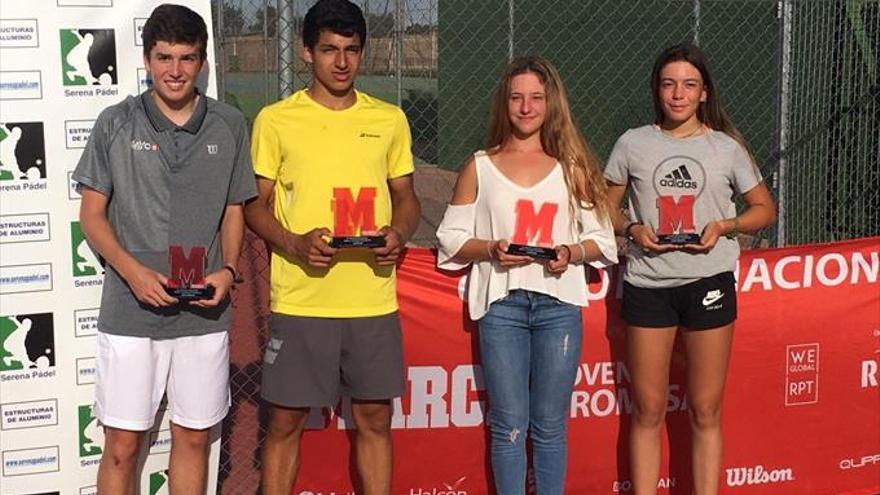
{"x":310,"y":361}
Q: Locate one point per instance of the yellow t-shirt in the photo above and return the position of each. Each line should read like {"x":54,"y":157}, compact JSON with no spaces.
{"x":331,"y":169}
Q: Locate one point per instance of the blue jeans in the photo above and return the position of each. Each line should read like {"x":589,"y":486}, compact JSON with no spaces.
{"x":530,"y":345}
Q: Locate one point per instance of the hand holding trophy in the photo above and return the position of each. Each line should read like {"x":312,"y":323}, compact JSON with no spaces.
{"x":187,"y":279}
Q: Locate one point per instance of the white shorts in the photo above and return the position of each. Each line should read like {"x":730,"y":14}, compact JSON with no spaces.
{"x":133,"y":373}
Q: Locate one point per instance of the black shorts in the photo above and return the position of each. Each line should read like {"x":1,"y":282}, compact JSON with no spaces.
{"x":700,"y":305}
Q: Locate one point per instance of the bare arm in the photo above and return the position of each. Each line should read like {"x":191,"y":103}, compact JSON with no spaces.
{"x":310,"y":247}
{"x":615,"y":198}
{"x":231,"y":237}
{"x":480,"y":249}
{"x":760,"y":212}
{"x":643,"y":235}
{"x":405,"y":213}
{"x":147,"y":285}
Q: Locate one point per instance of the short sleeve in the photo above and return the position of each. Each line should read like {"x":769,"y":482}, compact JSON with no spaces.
{"x":456,"y":228}
{"x":599,"y":231}
{"x":265,"y":146}
{"x":745,"y":173}
{"x":93,"y":169}
{"x":617,"y":168}
{"x":400,"y":159}
{"x":243,"y":184}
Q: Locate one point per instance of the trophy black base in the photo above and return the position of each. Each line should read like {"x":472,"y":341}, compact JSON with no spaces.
{"x":192,"y":293}
{"x":537,"y":252}
{"x":361,"y":241}
{"x":678,"y":239}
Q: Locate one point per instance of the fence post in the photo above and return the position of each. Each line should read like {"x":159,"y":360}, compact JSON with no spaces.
{"x":510,"y":30}
{"x":265,"y":52}
{"x":220,"y":52}
{"x":399,"y":29}
{"x":785,"y":16}
{"x":285,"y":48}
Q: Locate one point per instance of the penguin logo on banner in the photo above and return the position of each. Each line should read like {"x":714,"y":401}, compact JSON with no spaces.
{"x":159,"y":483}
{"x":27,"y":342}
{"x":91,"y":435}
{"x":85,"y":262}
{"x":22,"y":151}
{"x":88,"y":57}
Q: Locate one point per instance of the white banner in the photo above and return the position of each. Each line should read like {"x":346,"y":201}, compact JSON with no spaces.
{"x":61,"y":63}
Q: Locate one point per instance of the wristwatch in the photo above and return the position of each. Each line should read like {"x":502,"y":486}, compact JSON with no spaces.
{"x":627,"y":231}
{"x":235,"y":278}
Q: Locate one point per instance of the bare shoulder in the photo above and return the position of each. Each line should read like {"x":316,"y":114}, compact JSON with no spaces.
{"x":466,"y":184}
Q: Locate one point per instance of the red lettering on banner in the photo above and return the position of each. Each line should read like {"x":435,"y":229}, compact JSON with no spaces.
{"x":676,"y":216}
{"x":350,"y":216}
{"x":187,"y":270}
{"x":531,"y":225}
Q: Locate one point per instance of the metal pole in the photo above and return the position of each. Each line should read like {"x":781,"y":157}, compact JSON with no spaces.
{"x":221,"y":55}
{"x":285,"y":48}
{"x":398,"y":58}
{"x":265,"y":52}
{"x":785,"y":13}
{"x":697,"y":22}
{"x":509,"y":30}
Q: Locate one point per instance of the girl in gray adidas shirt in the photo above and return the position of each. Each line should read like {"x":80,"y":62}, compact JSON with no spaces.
{"x":682,"y":173}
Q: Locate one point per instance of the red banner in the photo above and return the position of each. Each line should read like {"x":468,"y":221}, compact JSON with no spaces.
{"x":801,"y":411}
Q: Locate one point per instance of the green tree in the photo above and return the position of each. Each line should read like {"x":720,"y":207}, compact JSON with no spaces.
{"x":271,"y":13}
{"x":233,"y":19}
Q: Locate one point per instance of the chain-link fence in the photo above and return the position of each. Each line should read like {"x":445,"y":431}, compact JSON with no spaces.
{"x":798,"y":77}
{"x":259,"y":57}
{"x":829,"y":162}
{"x":258,"y":50}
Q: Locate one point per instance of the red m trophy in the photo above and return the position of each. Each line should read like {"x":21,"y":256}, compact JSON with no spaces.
{"x":187,"y":280}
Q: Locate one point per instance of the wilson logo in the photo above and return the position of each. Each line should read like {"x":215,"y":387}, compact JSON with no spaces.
{"x":757,"y":475}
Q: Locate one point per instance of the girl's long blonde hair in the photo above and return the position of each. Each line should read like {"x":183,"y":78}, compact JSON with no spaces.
{"x":560,"y":137}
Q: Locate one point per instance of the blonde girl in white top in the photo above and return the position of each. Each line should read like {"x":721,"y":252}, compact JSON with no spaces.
{"x":536,"y":184}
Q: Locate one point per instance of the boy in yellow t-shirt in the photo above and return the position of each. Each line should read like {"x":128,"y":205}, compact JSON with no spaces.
{"x":332,"y":162}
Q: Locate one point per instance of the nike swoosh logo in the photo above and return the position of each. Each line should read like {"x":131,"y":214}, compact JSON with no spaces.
{"x":709,"y":299}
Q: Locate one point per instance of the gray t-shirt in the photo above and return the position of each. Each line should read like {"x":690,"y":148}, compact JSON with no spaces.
{"x":678,"y":186}
{"x":167,"y":185}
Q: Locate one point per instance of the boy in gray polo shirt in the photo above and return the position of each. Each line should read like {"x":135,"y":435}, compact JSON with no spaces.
{"x":167,"y":168}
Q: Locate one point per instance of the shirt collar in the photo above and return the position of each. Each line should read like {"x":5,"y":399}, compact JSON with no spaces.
{"x":162,"y":123}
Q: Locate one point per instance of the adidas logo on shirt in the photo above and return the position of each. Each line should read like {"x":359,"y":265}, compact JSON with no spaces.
{"x":679,"y":178}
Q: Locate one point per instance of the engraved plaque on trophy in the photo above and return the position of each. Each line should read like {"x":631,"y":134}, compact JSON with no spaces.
{"x":364,"y":241}
{"x":680,"y":238}
{"x":536,"y":252}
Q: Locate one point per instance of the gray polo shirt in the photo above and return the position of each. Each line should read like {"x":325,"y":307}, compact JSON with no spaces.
{"x":167,"y":185}
{"x":696,"y":178}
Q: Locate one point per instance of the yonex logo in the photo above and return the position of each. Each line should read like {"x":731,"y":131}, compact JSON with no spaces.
{"x":140,"y":145}
{"x":679,"y":178}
